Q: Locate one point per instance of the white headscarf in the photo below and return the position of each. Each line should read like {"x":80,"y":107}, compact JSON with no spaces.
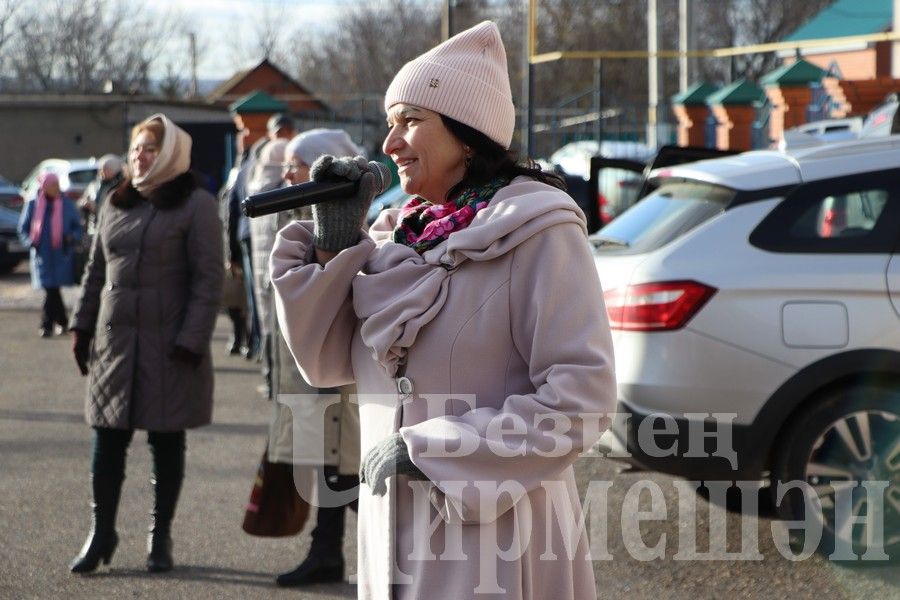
{"x":174,"y":157}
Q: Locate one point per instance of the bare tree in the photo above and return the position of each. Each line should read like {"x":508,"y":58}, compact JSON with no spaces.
{"x":725,"y":23}
{"x":360,"y":54}
{"x":85,"y":44}
{"x":268,"y":26}
{"x":7,"y":13}
{"x":172,"y":85}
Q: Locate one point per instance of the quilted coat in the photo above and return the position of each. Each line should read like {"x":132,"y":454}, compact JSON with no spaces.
{"x":500,"y":325}
{"x":153,"y":281}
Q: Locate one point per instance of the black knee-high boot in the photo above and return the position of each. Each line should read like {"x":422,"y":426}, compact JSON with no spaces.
{"x":325,"y":562}
{"x":102,"y":540}
{"x":107,"y":475}
{"x":168,"y":474}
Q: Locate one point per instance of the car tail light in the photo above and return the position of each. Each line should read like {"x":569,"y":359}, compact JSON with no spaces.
{"x":14,"y":202}
{"x":72,"y":195}
{"x":602,"y":205}
{"x":662,"y":306}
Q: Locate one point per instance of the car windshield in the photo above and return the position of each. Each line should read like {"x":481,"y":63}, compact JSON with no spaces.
{"x":665,"y":215}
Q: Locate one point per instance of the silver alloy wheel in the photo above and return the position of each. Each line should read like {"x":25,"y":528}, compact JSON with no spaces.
{"x":859,"y":447}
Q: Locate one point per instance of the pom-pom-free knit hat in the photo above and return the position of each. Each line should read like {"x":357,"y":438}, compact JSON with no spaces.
{"x":313,"y":143}
{"x":464,"y":78}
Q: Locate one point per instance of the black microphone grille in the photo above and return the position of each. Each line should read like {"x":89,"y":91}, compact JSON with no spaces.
{"x":382,"y":175}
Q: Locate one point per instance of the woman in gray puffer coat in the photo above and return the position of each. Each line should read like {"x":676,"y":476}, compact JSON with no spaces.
{"x":142,"y":329}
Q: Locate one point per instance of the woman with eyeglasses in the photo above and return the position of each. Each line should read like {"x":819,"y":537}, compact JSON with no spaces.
{"x":142,"y":329}
{"x":332,"y":466}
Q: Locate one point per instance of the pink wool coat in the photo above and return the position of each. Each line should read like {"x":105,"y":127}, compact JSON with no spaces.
{"x":501,"y":337}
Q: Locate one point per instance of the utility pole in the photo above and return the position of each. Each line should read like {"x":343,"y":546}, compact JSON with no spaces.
{"x":194,"y":90}
{"x":652,"y":77}
{"x":598,"y":99}
{"x":530,"y":46}
{"x":895,"y":45}
{"x":447,"y":20}
{"x":684,"y":44}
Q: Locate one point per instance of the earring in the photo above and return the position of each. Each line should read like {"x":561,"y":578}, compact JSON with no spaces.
{"x":468,"y":160}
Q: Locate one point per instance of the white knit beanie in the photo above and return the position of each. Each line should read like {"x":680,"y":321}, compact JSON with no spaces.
{"x":313,"y":143}
{"x":464,"y":78}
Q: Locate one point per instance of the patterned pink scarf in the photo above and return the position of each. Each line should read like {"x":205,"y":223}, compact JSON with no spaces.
{"x":40,"y":209}
{"x":424,"y":225}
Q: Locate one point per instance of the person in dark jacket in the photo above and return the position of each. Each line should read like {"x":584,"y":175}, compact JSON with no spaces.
{"x":142,"y":330}
{"x":50,"y":226}
{"x":109,"y":175}
{"x":279,"y":126}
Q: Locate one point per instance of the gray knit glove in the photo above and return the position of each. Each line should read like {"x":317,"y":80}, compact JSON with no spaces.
{"x":337,"y":222}
{"x":388,"y":457}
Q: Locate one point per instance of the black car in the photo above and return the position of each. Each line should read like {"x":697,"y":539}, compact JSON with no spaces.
{"x":12,"y":252}
{"x":9,"y":195}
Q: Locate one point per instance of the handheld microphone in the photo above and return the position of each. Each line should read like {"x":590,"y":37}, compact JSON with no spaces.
{"x":311,"y":192}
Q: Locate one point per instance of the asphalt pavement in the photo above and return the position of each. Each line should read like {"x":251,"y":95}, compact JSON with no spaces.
{"x":44,"y":496}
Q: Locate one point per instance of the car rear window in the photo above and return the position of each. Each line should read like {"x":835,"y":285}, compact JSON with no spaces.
{"x":666,"y":214}
{"x":82,"y":177}
{"x":848,"y":214}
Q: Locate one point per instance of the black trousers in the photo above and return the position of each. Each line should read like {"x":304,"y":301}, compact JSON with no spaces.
{"x":111,"y":448}
{"x":54,"y":311}
{"x":328,"y":535}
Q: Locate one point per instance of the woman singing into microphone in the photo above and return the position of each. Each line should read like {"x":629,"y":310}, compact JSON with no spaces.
{"x":473,"y":324}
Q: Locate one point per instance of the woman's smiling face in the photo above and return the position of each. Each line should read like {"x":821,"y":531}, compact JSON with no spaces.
{"x":143,"y":153}
{"x":429,"y":158}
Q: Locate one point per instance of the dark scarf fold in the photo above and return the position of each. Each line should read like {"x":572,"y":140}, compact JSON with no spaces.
{"x":424,"y":225}
{"x":169,"y":195}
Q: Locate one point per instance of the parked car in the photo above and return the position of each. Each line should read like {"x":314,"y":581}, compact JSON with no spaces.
{"x":621,"y":182}
{"x":394,"y":197}
{"x":74,"y":176}
{"x":11,"y":250}
{"x":816,"y":133}
{"x":617,"y":186}
{"x":766,"y":286}
{"x":883,"y":120}
{"x":9,"y":195}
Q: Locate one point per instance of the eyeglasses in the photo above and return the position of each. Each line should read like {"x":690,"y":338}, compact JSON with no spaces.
{"x":291,"y":167}
{"x":147,"y":148}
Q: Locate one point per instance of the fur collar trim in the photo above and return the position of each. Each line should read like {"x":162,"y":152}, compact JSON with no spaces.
{"x":167,"y":196}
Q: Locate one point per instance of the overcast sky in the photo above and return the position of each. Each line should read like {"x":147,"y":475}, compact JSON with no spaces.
{"x":222,"y":23}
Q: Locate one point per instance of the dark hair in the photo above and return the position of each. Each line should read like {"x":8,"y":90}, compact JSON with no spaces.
{"x":490,"y":160}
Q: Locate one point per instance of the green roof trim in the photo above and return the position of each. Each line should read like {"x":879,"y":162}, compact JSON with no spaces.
{"x":740,"y":92}
{"x":257,"y":102}
{"x":800,"y":72}
{"x":696,"y":94}
{"x":847,"y":17}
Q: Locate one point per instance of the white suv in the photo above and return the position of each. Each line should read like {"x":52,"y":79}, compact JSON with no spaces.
{"x":765,"y":288}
